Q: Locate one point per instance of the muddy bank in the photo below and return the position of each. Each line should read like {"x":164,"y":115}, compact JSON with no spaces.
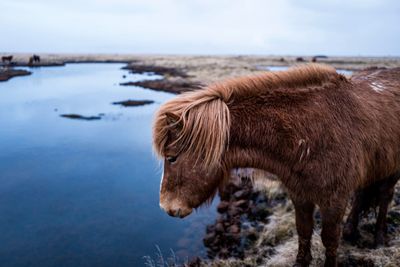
{"x":81,"y":117}
{"x":41,"y":64}
{"x":134,"y":67}
{"x":8,"y":73}
{"x":165,"y":85}
{"x":133,"y":103}
{"x":175,"y":80}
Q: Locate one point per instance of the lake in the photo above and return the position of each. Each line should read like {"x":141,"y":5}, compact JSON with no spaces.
{"x":84,"y":193}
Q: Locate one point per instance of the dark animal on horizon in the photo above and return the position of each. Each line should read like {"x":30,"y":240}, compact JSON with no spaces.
{"x":5,"y":59}
{"x":315,"y":58}
{"x":36,"y":58}
{"x":323,"y":135}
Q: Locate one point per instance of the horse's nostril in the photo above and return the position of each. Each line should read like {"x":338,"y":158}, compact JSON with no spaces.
{"x":171,"y":213}
{"x":174,"y":213}
{"x":180,"y":212}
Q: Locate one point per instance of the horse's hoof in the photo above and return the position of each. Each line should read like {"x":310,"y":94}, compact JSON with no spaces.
{"x":304,"y":262}
{"x":380,"y":241}
{"x":298,"y":264}
{"x":330,"y":262}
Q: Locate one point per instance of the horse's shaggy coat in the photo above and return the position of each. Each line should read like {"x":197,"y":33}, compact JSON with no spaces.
{"x":322,"y":134}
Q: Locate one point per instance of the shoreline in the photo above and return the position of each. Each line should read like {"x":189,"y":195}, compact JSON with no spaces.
{"x":8,"y":73}
{"x":183,"y":73}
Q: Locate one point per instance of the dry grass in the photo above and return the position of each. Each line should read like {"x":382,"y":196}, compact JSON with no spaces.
{"x":159,"y":260}
{"x":279,"y":235}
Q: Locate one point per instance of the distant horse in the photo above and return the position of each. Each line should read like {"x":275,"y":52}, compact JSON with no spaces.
{"x":323,"y":135}
{"x":5,"y":59}
{"x":33,"y":59}
{"x":315,"y":58}
{"x":36,"y":58}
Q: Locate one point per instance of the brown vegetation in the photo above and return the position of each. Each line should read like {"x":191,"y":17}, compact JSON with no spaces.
{"x":8,"y":73}
{"x":174,"y":86}
{"x":159,"y":70}
{"x":133,"y":103}
{"x":80,"y":117}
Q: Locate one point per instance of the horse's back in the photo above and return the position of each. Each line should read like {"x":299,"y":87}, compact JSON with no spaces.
{"x":380,"y":80}
{"x":378,"y":91}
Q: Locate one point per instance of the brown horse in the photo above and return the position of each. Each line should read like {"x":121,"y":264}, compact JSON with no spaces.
{"x":323,"y":135}
{"x":34,"y":59}
{"x":5,"y":59}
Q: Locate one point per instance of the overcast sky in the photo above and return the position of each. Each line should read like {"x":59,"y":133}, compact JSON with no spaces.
{"x":334,"y":27}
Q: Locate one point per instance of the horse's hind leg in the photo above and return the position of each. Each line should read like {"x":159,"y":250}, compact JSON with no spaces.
{"x":386,"y":191}
{"x":350,"y":229}
{"x":304,"y":225}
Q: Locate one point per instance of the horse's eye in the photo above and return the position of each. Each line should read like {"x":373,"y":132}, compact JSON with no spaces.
{"x":171,"y":159}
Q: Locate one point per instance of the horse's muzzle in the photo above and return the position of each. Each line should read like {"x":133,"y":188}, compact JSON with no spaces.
{"x":176,"y":211}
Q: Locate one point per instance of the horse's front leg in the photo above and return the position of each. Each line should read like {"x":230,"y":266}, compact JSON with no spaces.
{"x":332,"y":217}
{"x":304,"y":224}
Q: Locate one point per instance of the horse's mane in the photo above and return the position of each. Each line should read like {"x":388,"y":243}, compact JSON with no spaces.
{"x":202,"y":118}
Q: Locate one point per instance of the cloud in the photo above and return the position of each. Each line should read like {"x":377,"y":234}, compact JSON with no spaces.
{"x":367,"y":27}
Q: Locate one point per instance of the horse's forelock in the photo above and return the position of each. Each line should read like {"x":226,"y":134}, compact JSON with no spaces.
{"x":202,"y":129}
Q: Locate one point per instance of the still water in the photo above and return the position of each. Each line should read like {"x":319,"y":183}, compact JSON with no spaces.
{"x":84,"y":193}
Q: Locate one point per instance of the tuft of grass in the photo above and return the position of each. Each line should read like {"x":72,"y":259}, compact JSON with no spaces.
{"x":159,"y":261}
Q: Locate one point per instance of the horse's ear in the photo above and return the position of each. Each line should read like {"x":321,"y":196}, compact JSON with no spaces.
{"x":171,"y":118}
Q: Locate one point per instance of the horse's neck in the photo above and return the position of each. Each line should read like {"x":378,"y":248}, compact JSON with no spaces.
{"x":260,"y":145}
{"x":251,"y":139}
{"x":255,"y":158}
{"x":244,"y":158}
